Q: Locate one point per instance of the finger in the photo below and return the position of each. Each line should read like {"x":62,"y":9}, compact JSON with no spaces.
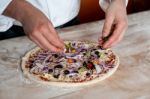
{"x":53,"y":38}
{"x":117,"y":41}
{"x":107,"y":25}
{"x":100,"y":41}
{"x":56,"y":34}
{"x":116,"y":36}
{"x":62,"y":42}
{"x":37,"y":42}
{"x":43,"y":41}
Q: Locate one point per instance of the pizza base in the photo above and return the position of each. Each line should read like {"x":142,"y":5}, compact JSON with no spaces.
{"x":64,"y":84}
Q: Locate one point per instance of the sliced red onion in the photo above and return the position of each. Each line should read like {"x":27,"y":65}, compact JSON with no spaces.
{"x":74,"y":65}
{"x":46,"y":64}
{"x":61,"y":59}
{"x":79,"y":49}
{"x":37,"y":61}
{"x":78,"y":64}
{"x":32,"y":69}
{"x":105,"y":66}
{"x":46,"y":58}
{"x":45,"y":68}
{"x":67,"y":55}
{"x":76,"y":57}
{"x":39,"y":65}
{"x":42,"y":55}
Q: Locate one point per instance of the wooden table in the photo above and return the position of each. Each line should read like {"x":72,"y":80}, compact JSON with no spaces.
{"x":130,"y":81}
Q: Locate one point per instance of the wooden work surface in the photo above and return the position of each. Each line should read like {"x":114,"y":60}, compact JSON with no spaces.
{"x":130,"y":81}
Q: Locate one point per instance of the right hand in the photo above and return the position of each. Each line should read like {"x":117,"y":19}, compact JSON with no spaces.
{"x":38,"y":28}
{"x":115,"y":24}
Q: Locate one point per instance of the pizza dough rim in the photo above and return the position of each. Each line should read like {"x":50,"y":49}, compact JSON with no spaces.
{"x":64,"y":84}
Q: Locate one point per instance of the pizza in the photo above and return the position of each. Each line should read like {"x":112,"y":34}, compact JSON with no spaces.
{"x":81,"y":63}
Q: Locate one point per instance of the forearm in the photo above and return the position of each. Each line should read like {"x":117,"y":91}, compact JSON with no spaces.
{"x":16,"y":9}
{"x":120,"y":1}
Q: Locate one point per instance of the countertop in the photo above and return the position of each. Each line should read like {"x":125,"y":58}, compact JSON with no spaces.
{"x":130,"y":81}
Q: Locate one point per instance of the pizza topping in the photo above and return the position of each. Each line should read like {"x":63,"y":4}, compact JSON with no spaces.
{"x":84,"y":64}
{"x":66,"y":72}
{"x":47,"y":76}
{"x":73,"y":50}
{"x":55,"y":55}
{"x":69,"y":60}
{"x":39,"y":65}
{"x":78,"y":62}
{"x":82,"y":69}
{"x":90,"y":65}
{"x":56,"y":73}
{"x":58,"y":66}
{"x":96,"y":61}
{"x":75,"y":71}
{"x":98,"y":68}
{"x":73,"y":75}
{"x":97,"y":53}
{"x":32,"y":69}
{"x":88,"y":74}
{"x":102,"y":55}
{"x":50,"y":70}
{"x":56,"y":76}
{"x":45,"y":68}
{"x":43,"y":78}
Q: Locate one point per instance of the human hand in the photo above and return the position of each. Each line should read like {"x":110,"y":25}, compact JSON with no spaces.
{"x":36,"y":25}
{"x":115,"y":24}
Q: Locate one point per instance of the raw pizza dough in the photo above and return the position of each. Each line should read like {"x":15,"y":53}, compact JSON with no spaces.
{"x":81,"y":64}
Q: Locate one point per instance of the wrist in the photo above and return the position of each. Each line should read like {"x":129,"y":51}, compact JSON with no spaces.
{"x":120,"y":1}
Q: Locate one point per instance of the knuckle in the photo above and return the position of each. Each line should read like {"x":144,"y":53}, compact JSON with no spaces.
{"x":33,"y":33}
{"x":41,"y":26}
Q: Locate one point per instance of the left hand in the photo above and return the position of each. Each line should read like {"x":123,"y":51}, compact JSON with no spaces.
{"x":115,"y":24}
